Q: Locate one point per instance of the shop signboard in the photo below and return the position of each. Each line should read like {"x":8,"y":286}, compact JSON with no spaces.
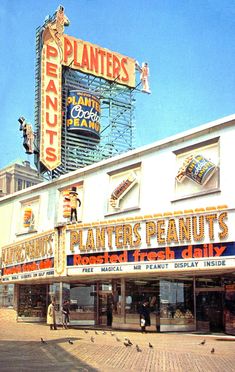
{"x":29,"y":259}
{"x":51,"y":118}
{"x":153,"y":232}
{"x":83,"y":113}
{"x":155,"y":254}
{"x":184,"y":258}
{"x":41,"y":269}
{"x":95,"y":60}
{"x":153,"y":267}
{"x":200,"y":241}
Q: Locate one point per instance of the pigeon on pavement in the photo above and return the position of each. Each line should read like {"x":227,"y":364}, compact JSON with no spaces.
{"x":137,"y":348}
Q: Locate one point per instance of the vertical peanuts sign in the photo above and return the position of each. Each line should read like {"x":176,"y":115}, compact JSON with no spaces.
{"x":50,"y":144}
{"x":62,"y":50}
{"x":51,"y":68}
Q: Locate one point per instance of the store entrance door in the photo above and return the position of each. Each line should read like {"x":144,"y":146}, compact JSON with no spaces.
{"x":209,"y":308}
{"x":102,"y":320}
{"x":105,"y":309}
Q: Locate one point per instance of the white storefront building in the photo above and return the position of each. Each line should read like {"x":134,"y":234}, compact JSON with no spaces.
{"x":156,"y":224}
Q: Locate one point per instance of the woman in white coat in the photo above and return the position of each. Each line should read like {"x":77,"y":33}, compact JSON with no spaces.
{"x":51,"y":321}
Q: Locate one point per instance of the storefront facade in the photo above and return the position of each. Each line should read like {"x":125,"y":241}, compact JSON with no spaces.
{"x":155,"y":224}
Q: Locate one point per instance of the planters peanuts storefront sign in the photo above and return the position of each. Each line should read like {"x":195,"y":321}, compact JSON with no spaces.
{"x":157,"y":245}
{"x":200,"y":242}
{"x":30,"y":259}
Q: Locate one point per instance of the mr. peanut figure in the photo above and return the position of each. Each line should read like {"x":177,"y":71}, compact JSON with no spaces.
{"x":74,"y":203}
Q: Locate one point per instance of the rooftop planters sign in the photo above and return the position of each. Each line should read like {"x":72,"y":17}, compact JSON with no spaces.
{"x":62,"y":50}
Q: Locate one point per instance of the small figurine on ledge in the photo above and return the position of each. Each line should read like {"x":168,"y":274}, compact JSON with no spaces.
{"x":144,"y":75}
{"x":74,"y":203}
{"x":28,"y":135}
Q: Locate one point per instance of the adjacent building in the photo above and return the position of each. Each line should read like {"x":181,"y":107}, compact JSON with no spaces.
{"x":17,"y":176}
{"x":154,"y":224}
{"x":14,"y":177}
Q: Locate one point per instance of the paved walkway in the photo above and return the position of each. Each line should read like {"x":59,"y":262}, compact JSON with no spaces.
{"x":21,"y":349}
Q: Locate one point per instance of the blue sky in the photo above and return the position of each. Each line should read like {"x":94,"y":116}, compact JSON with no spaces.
{"x":189,"y":45}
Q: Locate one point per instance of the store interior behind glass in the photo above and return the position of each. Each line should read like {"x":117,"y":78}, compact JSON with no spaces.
{"x":204,"y":304}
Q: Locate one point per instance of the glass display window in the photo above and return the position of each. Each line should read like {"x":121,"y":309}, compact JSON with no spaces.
{"x":136,"y":293}
{"x":109,"y":303}
{"x":82,"y":303}
{"x":209,"y":303}
{"x":54,"y":293}
{"x":32,"y":302}
{"x":176,"y":305}
{"x":229,"y":308}
{"x":208,"y":282}
{"x":6,"y":295}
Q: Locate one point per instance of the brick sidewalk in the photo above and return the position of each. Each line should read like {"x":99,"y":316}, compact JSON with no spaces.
{"x":22,"y":350}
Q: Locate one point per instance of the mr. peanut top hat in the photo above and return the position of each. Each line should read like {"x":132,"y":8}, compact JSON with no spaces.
{"x":73,"y":190}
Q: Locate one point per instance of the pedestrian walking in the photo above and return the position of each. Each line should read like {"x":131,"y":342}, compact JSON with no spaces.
{"x":51,"y":320}
{"x":65,"y":314}
{"x":109,"y":311}
{"x":145,"y":316}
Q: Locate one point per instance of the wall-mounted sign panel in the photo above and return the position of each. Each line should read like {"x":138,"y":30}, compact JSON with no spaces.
{"x":161,"y":267}
{"x":151,"y":233}
{"x":83,"y":114}
{"x":31,"y":258}
{"x":93,"y":59}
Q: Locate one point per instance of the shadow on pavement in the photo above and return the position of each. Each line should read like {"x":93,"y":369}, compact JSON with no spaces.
{"x":23,"y":356}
